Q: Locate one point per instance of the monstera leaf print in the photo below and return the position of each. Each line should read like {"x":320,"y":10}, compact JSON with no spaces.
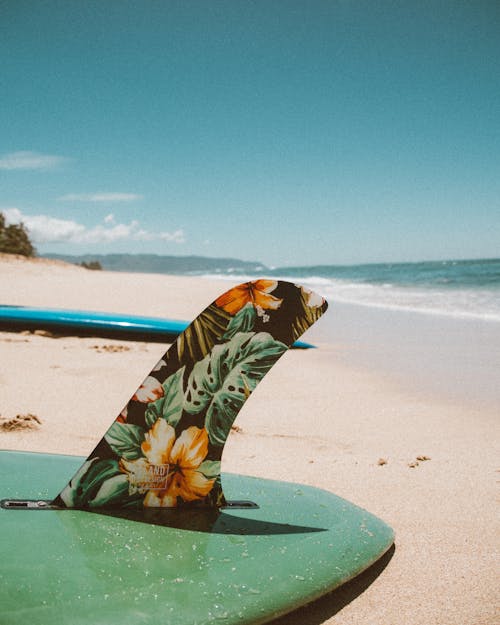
{"x":199,"y":338}
{"x":221,"y":382}
{"x":165,"y":447}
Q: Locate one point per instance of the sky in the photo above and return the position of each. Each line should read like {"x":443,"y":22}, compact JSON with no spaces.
{"x":286,"y":132}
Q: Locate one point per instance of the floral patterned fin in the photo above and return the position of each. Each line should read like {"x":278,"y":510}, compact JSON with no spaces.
{"x":164,"y":449}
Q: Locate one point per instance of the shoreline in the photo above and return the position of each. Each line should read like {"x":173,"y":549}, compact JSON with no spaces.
{"x":454,"y":360}
{"x":336,"y":413}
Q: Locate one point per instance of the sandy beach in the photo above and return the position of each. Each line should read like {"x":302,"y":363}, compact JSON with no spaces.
{"x":383,"y":389}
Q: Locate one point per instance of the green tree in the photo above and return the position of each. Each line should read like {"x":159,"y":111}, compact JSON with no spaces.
{"x":14,"y":239}
{"x":93,"y":264}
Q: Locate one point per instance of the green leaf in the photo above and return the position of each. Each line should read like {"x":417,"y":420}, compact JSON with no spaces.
{"x":84,"y":486}
{"x":309,"y":314}
{"x":210,"y":469}
{"x":112,"y":491}
{"x":125,"y":440}
{"x":223,"y":380}
{"x":243,"y":321}
{"x":199,"y":338}
{"x":168,"y":407}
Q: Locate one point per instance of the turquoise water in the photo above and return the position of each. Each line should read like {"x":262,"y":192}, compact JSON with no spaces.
{"x":459,"y":288}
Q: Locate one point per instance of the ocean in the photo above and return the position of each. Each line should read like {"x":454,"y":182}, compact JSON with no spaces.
{"x":457,"y":288}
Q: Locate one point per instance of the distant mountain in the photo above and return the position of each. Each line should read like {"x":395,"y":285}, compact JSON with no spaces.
{"x":153,"y":263}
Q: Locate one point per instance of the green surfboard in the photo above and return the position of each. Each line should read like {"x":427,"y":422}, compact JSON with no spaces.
{"x":147,"y":529}
{"x":172,"y":566}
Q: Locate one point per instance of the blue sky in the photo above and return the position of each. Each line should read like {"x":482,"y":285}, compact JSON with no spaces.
{"x":293,"y":133}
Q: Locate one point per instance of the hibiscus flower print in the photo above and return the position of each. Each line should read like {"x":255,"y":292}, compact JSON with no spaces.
{"x":311,"y":298}
{"x":169,"y":469}
{"x":122,"y":417}
{"x":149,"y":390}
{"x":256,"y":293}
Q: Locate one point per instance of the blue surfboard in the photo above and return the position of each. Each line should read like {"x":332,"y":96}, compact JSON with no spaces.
{"x":92,"y":323}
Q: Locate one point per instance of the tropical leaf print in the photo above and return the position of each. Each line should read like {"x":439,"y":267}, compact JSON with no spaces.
{"x":312,"y":308}
{"x":199,"y":338}
{"x":168,"y":407}
{"x":98,"y":482}
{"x":164,"y":448}
{"x":210,"y":469}
{"x":223,"y":380}
{"x":125,"y":439}
{"x":113,"y":491}
{"x":243,"y":321}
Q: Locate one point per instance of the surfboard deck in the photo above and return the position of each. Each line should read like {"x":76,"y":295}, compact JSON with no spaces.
{"x":172,"y":566}
{"x":92,"y":323}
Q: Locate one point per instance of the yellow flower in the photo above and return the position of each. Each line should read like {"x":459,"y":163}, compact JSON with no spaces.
{"x":169,"y":468}
{"x":256,"y":293}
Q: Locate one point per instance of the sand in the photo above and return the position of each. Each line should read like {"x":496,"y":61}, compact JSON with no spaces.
{"x":352,"y":416}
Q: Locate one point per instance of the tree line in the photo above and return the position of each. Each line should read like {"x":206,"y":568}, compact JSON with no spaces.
{"x":14,"y":239}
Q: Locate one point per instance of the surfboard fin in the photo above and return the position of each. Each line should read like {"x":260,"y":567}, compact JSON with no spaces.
{"x":165,"y":447}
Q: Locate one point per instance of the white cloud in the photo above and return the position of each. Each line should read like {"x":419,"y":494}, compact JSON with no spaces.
{"x":100,"y":197}
{"x":30,"y":160}
{"x":176,"y":237}
{"x":46,"y":229}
